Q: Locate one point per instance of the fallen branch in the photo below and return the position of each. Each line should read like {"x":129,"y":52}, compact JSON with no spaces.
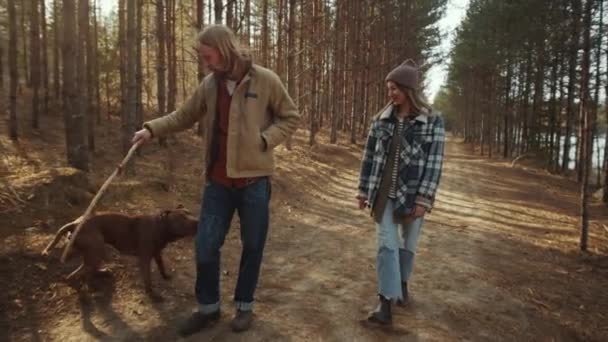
{"x":538,"y":302}
{"x":97,"y":197}
{"x":518,"y":158}
{"x":605,"y":227}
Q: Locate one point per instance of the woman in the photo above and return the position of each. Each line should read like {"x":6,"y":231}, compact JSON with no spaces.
{"x":400,"y":172}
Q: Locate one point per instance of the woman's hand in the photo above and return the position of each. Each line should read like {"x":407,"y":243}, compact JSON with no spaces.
{"x":142,"y":135}
{"x":362,"y":202}
{"x":419,"y":211}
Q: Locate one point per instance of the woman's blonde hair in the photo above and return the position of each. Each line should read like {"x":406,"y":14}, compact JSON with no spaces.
{"x":237,"y":59}
{"x":416,"y":101}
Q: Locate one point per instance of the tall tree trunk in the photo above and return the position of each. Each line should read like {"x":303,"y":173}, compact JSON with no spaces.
{"x":45,"y":59}
{"x":200,"y":14}
{"x":13,"y":69}
{"x":122,"y":53}
{"x":291,"y":59}
{"x":553,"y":112}
{"x":574,"y":47}
{"x":171,"y":55}
{"x":218,"y":11}
{"x":82,"y":70}
{"x":596,"y":92}
{"x":301,"y":77}
{"x":586,"y":138}
{"x":605,"y":193}
{"x":337,"y":51}
{"x":160,"y":59}
{"x":280,"y":24}
{"x":96,"y":72}
{"x":26,"y":66}
{"x":247,"y":15}
{"x":184,"y":76}
{"x":74,"y":119}
{"x":35,"y":62}
{"x":56,"y":48}
{"x":355,"y":65}
{"x":538,"y":100}
{"x":508,"y":80}
{"x":129,"y":125}
{"x":265,"y":34}
{"x":230,"y":22}
{"x":139,"y":110}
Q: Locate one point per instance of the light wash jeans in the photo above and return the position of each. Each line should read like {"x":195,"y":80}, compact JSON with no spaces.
{"x":396,"y":252}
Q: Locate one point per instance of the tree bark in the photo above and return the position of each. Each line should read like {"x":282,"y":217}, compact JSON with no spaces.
{"x":82,"y":70}
{"x":265,"y":34}
{"x":74,"y":119}
{"x":574,"y":47}
{"x":45,"y":59}
{"x":56,"y":48}
{"x":218,"y":11}
{"x":129,"y":124}
{"x":160,"y":60}
{"x":13,"y":69}
{"x":35,"y":62}
{"x":139,"y":107}
{"x":586,"y":138}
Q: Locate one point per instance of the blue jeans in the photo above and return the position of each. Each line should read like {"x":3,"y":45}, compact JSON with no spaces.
{"x":218,"y":207}
{"x":396,"y":252}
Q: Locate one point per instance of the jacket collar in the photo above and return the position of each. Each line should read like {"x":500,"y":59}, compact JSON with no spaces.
{"x":387,"y":112}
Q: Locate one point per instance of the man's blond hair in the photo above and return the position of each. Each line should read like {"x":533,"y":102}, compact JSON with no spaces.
{"x":236,"y":59}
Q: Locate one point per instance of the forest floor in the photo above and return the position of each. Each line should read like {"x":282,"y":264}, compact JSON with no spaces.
{"x":498,"y":259}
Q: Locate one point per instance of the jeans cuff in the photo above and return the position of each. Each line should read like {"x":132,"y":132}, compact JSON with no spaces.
{"x":208,"y":308}
{"x":242,"y":306}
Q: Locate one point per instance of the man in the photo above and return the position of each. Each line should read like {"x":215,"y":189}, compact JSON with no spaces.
{"x":248,"y":112}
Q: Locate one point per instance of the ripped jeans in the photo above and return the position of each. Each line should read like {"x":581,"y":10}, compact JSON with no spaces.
{"x":396,"y":252}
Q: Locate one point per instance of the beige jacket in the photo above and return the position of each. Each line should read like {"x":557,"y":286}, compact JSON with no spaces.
{"x":261,"y":110}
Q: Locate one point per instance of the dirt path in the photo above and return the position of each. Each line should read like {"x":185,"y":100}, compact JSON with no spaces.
{"x":497,"y":261}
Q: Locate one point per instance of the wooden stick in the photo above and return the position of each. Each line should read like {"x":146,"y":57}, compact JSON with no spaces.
{"x":103,"y":188}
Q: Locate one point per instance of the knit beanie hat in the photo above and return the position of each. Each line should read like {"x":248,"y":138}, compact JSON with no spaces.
{"x":405,"y":74}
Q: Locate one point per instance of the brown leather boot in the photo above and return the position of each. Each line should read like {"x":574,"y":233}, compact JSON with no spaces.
{"x":241,"y":321}
{"x":197,"y":322}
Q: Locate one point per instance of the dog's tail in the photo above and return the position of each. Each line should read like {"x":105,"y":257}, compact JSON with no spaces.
{"x":66,"y":229}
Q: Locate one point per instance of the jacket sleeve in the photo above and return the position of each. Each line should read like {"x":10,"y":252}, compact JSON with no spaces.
{"x":366,"y":163}
{"x":285,"y":113}
{"x":433,"y":166}
{"x":182,"y":118}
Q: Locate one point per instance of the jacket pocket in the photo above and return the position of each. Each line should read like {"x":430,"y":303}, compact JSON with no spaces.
{"x":413,"y":153}
{"x":251,"y":155}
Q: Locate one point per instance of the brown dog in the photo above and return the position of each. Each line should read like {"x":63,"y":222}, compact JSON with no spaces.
{"x":144,"y":236}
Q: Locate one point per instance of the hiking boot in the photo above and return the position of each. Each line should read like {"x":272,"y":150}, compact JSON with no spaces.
{"x":382,"y":314}
{"x":197,"y":322}
{"x":242,"y":321}
{"x":406,"y":296}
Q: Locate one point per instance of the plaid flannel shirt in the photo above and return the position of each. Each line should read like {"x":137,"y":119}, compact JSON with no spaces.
{"x":420,"y":160}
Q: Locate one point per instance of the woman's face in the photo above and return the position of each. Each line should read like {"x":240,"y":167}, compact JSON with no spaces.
{"x":211,"y":57}
{"x":395,"y":94}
